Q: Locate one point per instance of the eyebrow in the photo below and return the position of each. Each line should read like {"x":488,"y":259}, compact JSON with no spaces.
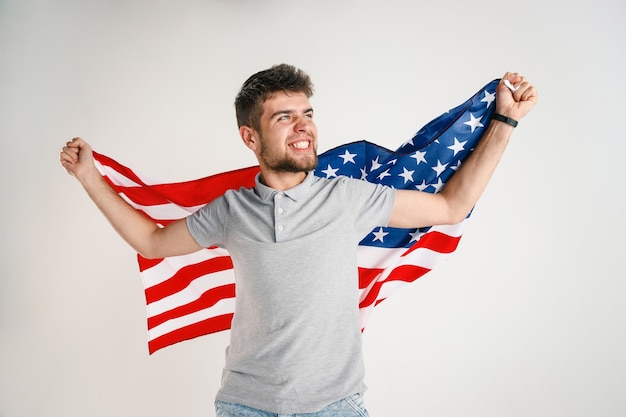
{"x":282,"y":112}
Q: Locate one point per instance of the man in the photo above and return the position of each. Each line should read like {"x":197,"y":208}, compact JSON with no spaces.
{"x":295,"y":340}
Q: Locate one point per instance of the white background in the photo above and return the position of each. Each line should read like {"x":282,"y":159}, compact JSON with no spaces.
{"x":527,"y":319}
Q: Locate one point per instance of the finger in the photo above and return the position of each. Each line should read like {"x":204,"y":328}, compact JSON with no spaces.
{"x":75,"y":143}
{"x":510,"y":84}
{"x":520,"y":87}
{"x":70,"y":154}
{"x":69,"y":150}
{"x":67,"y":157}
{"x":65,"y":161}
{"x":529,"y":94}
{"x":513,"y":81}
{"x":526,"y":92}
{"x":515,"y":78}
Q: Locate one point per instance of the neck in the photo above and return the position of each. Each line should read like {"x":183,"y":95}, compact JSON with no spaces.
{"x":281,"y":181}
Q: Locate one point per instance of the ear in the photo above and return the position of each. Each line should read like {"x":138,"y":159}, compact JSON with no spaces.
{"x":249,"y":137}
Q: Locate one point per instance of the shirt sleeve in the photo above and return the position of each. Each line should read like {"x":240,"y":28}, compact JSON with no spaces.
{"x":371,"y":203}
{"x":206,"y":225}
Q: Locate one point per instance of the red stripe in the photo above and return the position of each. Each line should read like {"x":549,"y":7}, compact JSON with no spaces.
{"x":144,"y":196}
{"x":186,"y":193}
{"x":184,"y":276}
{"x":406,"y":273}
{"x":436,"y":241}
{"x":367,"y":276}
{"x":145,"y":263}
{"x":208,"y":326}
{"x":198,"y":192}
{"x":208,"y":299}
{"x":127,"y":172}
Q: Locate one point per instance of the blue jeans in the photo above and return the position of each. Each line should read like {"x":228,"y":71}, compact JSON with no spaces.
{"x":351,"y":406}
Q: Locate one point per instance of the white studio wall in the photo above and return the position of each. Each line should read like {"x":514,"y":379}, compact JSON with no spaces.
{"x":526,"y":319}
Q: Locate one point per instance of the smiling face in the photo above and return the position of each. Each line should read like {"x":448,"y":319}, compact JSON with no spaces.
{"x":287,"y":140}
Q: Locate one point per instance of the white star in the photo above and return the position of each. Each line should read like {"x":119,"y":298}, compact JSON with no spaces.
{"x":421,"y":186}
{"x":458,"y":164}
{"x":330,"y":171}
{"x":363,"y":174}
{"x":458,"y":146}
{"x":474,"y":122}
{"x":489,"y":98}
{"x":380,"y":235}
{"x":384,"y":174}
{"x":375,"y":164}
{"x":437,"y":186}
{"x":407,"y":175}
{"x":439,"y":168}
{"x":416,"y":235}
{"x":348,"y":157}
{"x":392,"y":162}
{"x":419,"y":157}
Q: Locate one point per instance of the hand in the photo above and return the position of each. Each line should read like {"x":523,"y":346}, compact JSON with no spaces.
{"x":515,"y":104}
{"x":77,"y":158}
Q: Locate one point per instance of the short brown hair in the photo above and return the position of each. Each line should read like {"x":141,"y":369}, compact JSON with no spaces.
{"x":258,"y":88}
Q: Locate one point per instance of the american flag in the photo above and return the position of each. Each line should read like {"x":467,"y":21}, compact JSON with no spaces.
{"x":194,"y":295}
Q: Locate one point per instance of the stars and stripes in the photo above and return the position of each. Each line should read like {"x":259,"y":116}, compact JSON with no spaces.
{"x":193,"y":295}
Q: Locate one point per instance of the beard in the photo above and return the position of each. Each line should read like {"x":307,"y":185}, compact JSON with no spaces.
{"x":285,"y":163}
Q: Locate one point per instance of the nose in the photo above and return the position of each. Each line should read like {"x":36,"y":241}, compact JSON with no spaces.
{"x":302,"y":124}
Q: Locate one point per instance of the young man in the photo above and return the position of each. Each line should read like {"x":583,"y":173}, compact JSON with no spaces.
{"x":295,"y":340}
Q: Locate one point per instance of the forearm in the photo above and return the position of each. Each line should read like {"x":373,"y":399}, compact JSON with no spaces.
{"x":135,"y":228}
{"x":462,"y":191}
{"x":465,"y":187}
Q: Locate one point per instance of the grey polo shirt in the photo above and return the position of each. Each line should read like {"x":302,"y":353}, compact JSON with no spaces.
{"x":295,"y":338}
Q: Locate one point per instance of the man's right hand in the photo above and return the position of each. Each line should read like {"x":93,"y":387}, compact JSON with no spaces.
{"x":77,"y":158}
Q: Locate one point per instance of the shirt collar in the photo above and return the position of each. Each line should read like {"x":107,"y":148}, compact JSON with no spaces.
{"x":294,"y":193}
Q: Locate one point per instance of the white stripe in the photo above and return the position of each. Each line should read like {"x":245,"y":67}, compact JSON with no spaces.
{"x":113,"y":173}
{"x":364,"y":314}
{"x":167,"y":211}
{"x":454,"y":230}
{"x":225,"y":306}
{"x":379,"y":258}
{"x":373,"y":257}
{"x":421,"y":257}
{"x":115,"y":177}
{"x":426,"y":258}
{"x":383,"y":258}
{"x":170,"y":266}
{"x":192,"y":292}
{"x":388,"y":287}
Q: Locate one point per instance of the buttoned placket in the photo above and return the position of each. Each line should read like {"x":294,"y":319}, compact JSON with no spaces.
{"x":279,"y":227}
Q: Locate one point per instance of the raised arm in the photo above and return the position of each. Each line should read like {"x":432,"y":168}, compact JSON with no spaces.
{"x":461,"y":192}
{"x":138,"y":231}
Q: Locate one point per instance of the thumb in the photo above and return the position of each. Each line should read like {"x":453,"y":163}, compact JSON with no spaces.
{"x":82,"y":148}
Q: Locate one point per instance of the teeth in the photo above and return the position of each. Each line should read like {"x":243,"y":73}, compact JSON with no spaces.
{"x":301,"y":145}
